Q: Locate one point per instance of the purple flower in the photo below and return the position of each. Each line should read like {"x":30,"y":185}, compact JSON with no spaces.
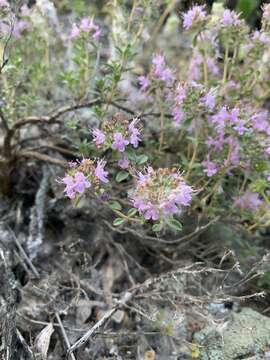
{"x":209,"y":100}
{"x":160,"y":193}
{"x":234,"y":157}
{"x":261,"y":37}
{"x":134,"y":133}
{"x":142,"y":178}
{"x":212,"y":66}
{"x":69,"y":189}
{"x":240,"y":127}
{"x":162,"y":72}
{"x":220,"y":118}
{"x":75,"y":32}
{"x":167,"y":75}
{"x":260,"y":121}
{"x":123,"y":163}
{"x":100,"y":173}
{"x":230,"y":18}
{"x":144,"y":82}
{"x":210,"y":167}
{"x":169,"y":207}
{"x":249,"y":200}
{"x":139,"y":204}
{"x":180,"y":94}
{"x":76,"y":184}
{"x":86,"y":25}
{"x":119,"y":142}
{"x":194,"y":15}
{"x":97,"y":33}
{"x":194,"y":71}
{"x":3,"y":3}
{"x":80,"y":182}
{"x":234,"y":115}
{"x":19,"y":27}
{"x":216,"y":143}
{"x":99,"y":137}
{"x":159,"y":61}
{"x":267,"y":150}
{"x":178,"y":114}
{"x":151,"y":212}
{"x":183,"y":195}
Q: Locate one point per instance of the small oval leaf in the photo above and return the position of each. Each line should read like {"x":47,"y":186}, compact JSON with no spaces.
{"x":118,"y":221}
{"x":121,"y":176}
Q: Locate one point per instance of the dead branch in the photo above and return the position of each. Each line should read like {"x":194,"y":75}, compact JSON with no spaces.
{"x":23,"y":253}
{"x":43,"y":157}
{"x":125,"y":299}
{"x":55,"y":115}
{"x":63,"y":331}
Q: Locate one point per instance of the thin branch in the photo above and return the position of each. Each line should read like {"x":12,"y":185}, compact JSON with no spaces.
{"x":139,"y":115}
{"x":23,"y":253}
{"x":196,"y":232}
{"x":63,"y":331}
{"x":4,"y":121}
{"x":42,"y":157}
{"x":193,"y":269}
{"x":123,"y":301}
{"x":55,"y":115}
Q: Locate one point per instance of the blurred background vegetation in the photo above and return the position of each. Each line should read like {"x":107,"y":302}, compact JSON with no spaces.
{"x":249,"y":9}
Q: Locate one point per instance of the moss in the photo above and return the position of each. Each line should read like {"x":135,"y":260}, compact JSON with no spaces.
{"x":246,"y":335}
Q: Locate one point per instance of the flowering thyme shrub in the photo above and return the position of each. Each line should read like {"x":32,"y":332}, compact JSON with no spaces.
{"x":192,"y":138}
{"x":85,"y":175}
{"x":159,"y":194}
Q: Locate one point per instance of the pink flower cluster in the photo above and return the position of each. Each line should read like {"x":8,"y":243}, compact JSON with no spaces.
{"x":231,"y":118}
{"x":249,"y":200}
{"x":4,"y":3}
{"x":230,"y":18}
{"x":20,"y":24}
{"x":87,"y":26}
{"x":177,"y":109}
{"x":117,"y":134}
{"x":161,"y":71}
{"x":144,"y":82}
{"x":160,"y":193}
{"x":195,"y":16}
{"x":84,"y":175}
{"x":182,"y":95}
{"x":230,"y":126}
{"x":195,"y":71}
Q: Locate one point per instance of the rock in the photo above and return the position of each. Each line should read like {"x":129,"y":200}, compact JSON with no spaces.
{"x":245,"y":336}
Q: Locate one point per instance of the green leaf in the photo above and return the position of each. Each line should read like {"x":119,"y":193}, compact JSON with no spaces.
{"x":246,"y":7}
{"x":141,"y":159}
{"x":114,"y":205}
{"x":157,"y":227}
{"x":118,"y":221}
{"x":131,"y":153}
{"x":121,"y":176}
{"x":175,"y":224}
{"x":131,"y":212}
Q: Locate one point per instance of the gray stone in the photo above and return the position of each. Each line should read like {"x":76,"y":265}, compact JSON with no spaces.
{"x":245,"y":336}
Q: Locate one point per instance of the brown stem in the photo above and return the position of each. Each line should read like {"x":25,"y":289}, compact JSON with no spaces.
{"x":42,"y":157}
{"x":55,"y":115}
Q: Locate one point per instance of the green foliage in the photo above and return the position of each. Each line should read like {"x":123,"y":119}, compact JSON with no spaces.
{"x":246,"y":7}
